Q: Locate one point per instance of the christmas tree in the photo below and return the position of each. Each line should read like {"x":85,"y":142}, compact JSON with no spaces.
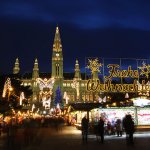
{"x":58,"y":97}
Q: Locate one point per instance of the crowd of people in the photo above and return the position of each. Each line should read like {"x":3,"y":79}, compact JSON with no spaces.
{"x":29,"y":129}
{"x":115,"y":128}
{"x":30,"y":126}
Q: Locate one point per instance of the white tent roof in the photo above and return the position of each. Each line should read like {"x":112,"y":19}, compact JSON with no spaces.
{"x":141,"y":101}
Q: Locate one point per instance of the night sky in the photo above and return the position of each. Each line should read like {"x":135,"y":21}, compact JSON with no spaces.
{"x":88,"y":28}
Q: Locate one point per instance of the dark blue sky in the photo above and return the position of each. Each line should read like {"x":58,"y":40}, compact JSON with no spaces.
{"x":89,"y":28}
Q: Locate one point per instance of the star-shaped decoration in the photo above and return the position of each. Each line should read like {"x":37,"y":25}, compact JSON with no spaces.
{"x":145,"y":69}
{"x":94,"y":65}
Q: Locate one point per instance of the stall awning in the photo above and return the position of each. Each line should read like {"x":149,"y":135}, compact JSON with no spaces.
{"x":85,"y":106}
{"x":141,"y":101}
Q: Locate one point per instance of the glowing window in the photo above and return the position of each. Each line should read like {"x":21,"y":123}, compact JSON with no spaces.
{"x":57,"y":54}
{"x":64,"y":84}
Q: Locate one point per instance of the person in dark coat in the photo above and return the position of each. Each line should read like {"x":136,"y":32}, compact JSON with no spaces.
{"x":100,"y":129}
{"x":119,"y":127}
{"x":85,"y":126}
{"x":129,"y":127}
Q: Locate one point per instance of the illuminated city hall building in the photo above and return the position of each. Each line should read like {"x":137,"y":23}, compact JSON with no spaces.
{"x":44,"y":85}
{"x":74,"y":86}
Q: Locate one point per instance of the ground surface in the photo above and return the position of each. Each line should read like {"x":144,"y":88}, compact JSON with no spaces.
{"x":69,"y":138}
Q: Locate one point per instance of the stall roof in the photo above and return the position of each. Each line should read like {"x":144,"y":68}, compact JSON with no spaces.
{"x":141,"y":101}
{"x":85,"y":106}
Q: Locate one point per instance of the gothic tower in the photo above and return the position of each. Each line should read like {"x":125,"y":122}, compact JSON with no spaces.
{"x":77,"y":71}
{"x":57,"y":57}
{"x":57,"y":61}
{"x":77,"y":80}
{"x":16,"y":68}
{"x":35,"y":75}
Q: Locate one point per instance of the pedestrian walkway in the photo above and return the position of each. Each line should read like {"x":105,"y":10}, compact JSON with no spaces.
{"x":69,"y":138}
{"x":1,"y":141}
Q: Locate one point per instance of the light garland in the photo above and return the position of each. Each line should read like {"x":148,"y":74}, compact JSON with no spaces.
{"x":22,"y":97}
{"x":45,"y":83}
{"x":46,"y":103}
{"x":75,"y":85}
{"x":7,"y":86}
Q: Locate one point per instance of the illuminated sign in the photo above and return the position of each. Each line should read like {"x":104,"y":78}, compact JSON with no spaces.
{"x":114,"y":71}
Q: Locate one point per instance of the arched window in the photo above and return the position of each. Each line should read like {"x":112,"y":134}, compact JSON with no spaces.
{"x":57,"y":70}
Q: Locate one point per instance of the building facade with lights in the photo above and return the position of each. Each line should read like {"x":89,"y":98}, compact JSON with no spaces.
{"x":72,"y":85}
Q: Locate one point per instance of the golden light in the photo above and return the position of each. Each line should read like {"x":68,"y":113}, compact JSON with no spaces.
{"x":10,"y":89}
{"x":114,"y":104}
{"x":94,"y":65}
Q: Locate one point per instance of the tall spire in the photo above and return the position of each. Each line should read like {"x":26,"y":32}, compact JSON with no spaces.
{"x":77,"y":70}
{"x":16,"y":68}
{"x":35,"y":73}
{"x":57,"y":41}
{"x":57,"y":56}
